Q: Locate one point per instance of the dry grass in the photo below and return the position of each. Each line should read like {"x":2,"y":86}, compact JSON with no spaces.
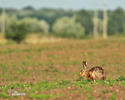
{"x":38,"y":39}
{"x":34,"y":39}
{"x":2,"y":39}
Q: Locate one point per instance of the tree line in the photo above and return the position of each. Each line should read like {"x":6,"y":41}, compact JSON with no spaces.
{"x":59,"y":22}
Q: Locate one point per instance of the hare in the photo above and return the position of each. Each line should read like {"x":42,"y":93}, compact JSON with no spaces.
{"x":95,"y":73}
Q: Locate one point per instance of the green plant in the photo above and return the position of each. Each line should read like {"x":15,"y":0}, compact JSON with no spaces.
{"x":121,"y":78}
{"x":68,"y":27}
{"x":105,"y":91}
{"x":42,"y":96}
{"x":16,"y":31}
{"x":113,"y":97}
{"x":4,"y":95}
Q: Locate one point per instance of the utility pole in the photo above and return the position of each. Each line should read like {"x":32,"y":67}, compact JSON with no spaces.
{"x":105,"y":34}
{"x":3,"y":20}
{"x":95,"y":22}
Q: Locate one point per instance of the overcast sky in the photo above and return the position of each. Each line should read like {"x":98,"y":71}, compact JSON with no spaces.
{"x":65,"y":4}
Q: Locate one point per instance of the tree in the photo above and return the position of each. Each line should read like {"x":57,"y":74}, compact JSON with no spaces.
{"x":44,"y":26}
{"x":34,"y":25}
{"x":16,"y":30}
{"x":68,"y":27}
{"x":30,"y":8}
{"x":86,"y":20}
{"x":116,"y":23}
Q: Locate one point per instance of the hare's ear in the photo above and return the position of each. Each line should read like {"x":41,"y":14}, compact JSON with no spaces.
{"x":84,"y":64}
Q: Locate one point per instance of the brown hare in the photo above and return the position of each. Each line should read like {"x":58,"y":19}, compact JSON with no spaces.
{"x":95,"y":73}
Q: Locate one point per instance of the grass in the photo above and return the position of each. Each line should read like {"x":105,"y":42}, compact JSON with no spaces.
{"x":37,"y":90}
{"x":42,"y":96}
{"x":51,"y":70}
{"x":113,"y":97}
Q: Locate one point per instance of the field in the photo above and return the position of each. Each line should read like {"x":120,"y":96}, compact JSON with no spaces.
{"x":50,"y":71}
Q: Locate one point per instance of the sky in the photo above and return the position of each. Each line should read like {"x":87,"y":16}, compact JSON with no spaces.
{"x":65,"y":4}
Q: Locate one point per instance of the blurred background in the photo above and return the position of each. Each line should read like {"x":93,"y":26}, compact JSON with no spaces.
{"x":33,"y":21}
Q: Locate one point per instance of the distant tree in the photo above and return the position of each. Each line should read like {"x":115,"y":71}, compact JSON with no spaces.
{"x":29,"y":8}
{"x":16,"y":30}
{"x":68,"y":27}
{"x":116,"y":23}
{"x":44,"y":26}
{"x":85,"y":18}
{"x":32,"y":24}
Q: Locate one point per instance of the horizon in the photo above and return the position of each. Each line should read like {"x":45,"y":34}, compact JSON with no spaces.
{"x":63,"y":4}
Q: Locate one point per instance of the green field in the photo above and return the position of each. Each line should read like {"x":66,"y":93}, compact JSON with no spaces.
{"x":50,"y":71}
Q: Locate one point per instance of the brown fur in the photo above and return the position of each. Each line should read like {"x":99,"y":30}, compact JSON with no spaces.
{"x":94,"y":73}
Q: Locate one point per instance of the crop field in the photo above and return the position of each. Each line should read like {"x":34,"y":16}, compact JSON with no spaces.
{"x":50,"y":71}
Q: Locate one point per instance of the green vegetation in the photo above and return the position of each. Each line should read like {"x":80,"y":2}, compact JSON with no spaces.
{"x":113,"y":97}
{"x":42,"y":96}
{"x":68,"y":27}
{"x":37,"y":90}
{"x":85,"y":19}
{"x":4,"y":95}
{"x":16,"y":30}
{"x":61,"y":23}
{"x":116,"y":22}
{"x":51,"y":70}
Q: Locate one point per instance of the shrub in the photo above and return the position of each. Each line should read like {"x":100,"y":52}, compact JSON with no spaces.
{"x":16,"y":30}
{"x":34,"y":25}
{"x":68,"y":27}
